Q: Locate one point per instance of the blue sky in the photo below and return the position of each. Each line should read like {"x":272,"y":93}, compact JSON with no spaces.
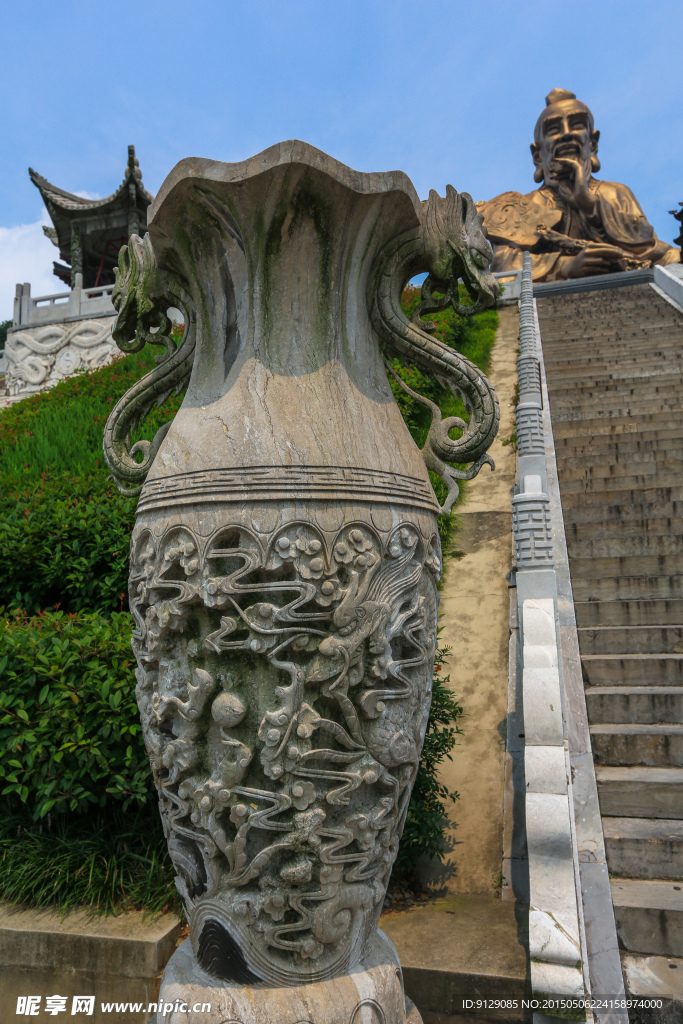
{"x":445,"y":90}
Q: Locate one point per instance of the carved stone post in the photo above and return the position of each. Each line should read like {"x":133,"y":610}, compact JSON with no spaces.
{"x":284,"y":561}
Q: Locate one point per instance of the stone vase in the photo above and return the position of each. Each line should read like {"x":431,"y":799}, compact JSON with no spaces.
{"x":285,"y":555}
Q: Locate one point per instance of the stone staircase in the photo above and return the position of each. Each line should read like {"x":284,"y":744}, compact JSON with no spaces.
{"x":614,"y":367}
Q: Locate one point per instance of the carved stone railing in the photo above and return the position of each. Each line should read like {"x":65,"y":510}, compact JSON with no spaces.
{"x":511,"y":281}
{"x":32,"y":311}
{"x":52,"y":336}
{"x":572,"y":935}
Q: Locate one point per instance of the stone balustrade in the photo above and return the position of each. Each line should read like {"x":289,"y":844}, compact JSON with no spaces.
{"x":30,"y":311}
{"x":53,"y":336}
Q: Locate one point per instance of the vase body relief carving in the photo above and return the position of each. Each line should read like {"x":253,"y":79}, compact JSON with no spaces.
{"x":285,"y":558}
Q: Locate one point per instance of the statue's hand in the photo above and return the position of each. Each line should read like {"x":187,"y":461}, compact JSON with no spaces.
{"x":595,"y":258}
{"x":578,"y":179}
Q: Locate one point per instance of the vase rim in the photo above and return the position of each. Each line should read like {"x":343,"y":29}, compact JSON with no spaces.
{"x":292,"y":151}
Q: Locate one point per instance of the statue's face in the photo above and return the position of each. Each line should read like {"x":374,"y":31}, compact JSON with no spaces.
{"x":566,"y":138}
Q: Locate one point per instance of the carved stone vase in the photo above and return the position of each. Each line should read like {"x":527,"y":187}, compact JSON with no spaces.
{"x":285,"y":558}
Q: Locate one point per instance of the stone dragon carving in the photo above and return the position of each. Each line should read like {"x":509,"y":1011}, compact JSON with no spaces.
{"x":451,"y":243}
{"x":141,"y":296}
{"x":340,"y":630}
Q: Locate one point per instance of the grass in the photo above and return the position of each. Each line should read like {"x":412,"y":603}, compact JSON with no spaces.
{"x":103,"y":863}
{"x":59,"y":431}
{"x":57,"y":443}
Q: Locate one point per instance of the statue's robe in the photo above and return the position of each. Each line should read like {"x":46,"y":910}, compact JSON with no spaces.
{"x":537,"y":221}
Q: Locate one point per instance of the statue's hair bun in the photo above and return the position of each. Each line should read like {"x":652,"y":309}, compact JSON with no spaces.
{"x":559,"y":94}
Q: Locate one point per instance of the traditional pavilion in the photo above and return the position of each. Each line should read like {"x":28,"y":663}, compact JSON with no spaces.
{"x":90,"y":232}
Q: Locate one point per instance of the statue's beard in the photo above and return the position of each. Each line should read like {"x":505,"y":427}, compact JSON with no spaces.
{"x":557,"y":173}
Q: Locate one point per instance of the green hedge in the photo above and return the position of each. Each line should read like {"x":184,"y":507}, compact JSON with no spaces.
{"x":65,"y":543}
{"x":70,"y":735}
{"x":64,"y":528}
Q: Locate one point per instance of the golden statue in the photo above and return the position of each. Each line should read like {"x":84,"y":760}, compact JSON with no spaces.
{"x":573,"y":225}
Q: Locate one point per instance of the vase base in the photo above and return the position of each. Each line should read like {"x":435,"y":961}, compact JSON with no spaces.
{"x":370,"y":994}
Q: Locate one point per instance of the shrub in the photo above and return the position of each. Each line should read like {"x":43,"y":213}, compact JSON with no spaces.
{"x":424,"y":828}
{"x":4,"y":325}
{"x":65,"y":542}
{"x":64,"y":528}
{"x":69,"y":731}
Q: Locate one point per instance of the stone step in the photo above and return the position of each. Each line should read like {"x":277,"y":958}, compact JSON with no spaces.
{"x":626,"y":565}
{"x":619,"y":356}
{"x":586,"y":540}
{"x":647,"y":438}
{"x":578,"y":532}
{"x":610,"y":471}
{"x":636,"y":332}
{"x":654,"y":746}
{"x":649,"y":915}
{"x":623,"y":335}
{"x":458,"y":948}
{"x":629,"y":397}
{"x":628,"y":613}
{"x":602,"y":457}
{"x":629,"y":486}
{"x":116,"y":959}
{"x":581,"y":414}
{"x":627,"y":362}
{"x":644,"y":705}
{"x":589,"y":512}
{"x":612,"y":310}
{"x":640,"y":792}
{"x":631,"y":639}
{"x":576,"y":328}
{"x":604,"y":313}
{"x":637,"y":440}
{"x":611,"y":461}
{"x":632,"y":395}
{"x":632,"y":669}
{"x":573,"y":330}
{"x":641,"y":501}
{"x":595,"y":425}
{"x":629,"y":373}
{"x":633,"y":400}
{"x":644,"y":848}
{"x":568,"y":376}
{"x":652,"y":980}
{"x":664,"y":587}
{"x":628,"y":544}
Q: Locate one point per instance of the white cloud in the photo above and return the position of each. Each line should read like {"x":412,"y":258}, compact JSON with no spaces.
{"x":26,"y":255}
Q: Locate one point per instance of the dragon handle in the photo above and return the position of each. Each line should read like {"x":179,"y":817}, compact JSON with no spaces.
{"x":142,"y":295}
{"x":451,"y":245}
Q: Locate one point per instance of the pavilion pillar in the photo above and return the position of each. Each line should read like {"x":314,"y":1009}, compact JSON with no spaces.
{"x":76,"y":252}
